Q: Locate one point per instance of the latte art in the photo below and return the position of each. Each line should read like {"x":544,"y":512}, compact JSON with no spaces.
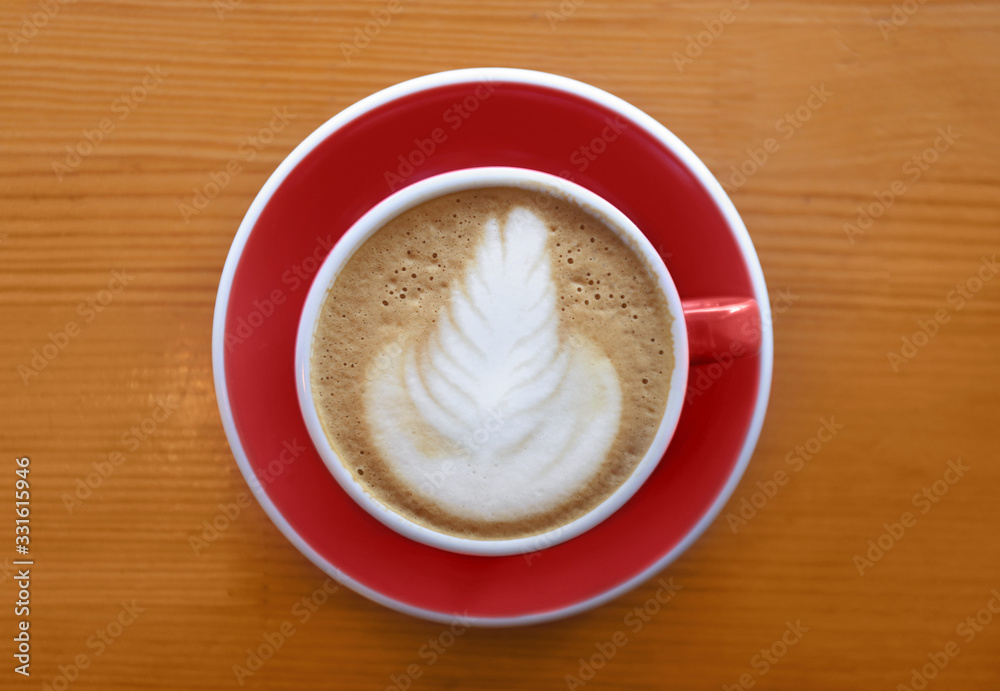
{"x":492,"y":364}
{"x":515,"y":415}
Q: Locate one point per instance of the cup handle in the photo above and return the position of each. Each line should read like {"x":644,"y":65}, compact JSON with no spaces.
{"x":722,"y":325}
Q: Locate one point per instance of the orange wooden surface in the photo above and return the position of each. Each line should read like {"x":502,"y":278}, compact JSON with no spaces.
{"x":892,"y":79}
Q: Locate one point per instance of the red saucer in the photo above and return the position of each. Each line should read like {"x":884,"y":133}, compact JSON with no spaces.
{"x":432,"y":125}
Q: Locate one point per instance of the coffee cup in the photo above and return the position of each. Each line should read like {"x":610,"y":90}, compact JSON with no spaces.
{"x":492,"y":361}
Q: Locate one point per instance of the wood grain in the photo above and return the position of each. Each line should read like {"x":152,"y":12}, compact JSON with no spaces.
{"x":848,"y":306}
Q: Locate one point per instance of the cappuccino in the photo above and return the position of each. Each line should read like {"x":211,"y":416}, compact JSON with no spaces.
{"x":494,"y":363}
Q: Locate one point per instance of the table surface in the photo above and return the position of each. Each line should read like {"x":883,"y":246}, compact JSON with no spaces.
{"x":887,"y":326}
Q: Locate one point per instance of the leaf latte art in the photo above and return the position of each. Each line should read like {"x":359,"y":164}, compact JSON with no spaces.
{"x":498,"y":412}
{"x":492,"y":363}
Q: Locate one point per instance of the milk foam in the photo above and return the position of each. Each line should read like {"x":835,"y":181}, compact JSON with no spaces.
{"x":409,"y":307}
{"x":498,"y":413}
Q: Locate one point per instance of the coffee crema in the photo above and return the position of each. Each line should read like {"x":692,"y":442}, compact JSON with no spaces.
{"x":493,"y":363}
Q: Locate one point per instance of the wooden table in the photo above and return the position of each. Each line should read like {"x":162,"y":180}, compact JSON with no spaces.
{"x":813,"y":114}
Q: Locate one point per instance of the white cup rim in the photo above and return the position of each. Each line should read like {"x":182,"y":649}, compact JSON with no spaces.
{"x":409,"y":197}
